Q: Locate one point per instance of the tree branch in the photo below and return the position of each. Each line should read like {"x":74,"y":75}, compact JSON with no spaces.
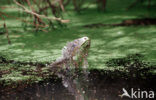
{"x":38,"y":15}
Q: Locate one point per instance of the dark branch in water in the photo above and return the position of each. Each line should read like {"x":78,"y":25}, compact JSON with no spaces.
{"x":129,"y":22}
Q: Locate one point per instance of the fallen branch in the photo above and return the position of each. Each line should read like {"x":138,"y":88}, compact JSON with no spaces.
{"x":38,"y":15}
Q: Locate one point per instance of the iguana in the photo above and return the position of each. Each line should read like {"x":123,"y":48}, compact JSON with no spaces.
{"x":74,"y":55}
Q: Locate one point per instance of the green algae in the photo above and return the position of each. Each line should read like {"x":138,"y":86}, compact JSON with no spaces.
{"x":106,"y":42}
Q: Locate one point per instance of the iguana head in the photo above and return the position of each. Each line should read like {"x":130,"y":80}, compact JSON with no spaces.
{"x":77,"y":50}
{"x":77,"y":46}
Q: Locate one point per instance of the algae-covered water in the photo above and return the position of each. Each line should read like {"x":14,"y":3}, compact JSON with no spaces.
{"x":111,"y":47}
{"x":106,"y":43}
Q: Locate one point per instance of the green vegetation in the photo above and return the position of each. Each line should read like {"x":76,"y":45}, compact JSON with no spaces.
{"x":106,"y":42}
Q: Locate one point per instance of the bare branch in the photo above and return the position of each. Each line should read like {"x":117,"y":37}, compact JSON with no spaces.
{"x":38,"y":15}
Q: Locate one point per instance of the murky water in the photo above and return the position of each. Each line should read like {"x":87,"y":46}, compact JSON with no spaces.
{"x":98,"y":86}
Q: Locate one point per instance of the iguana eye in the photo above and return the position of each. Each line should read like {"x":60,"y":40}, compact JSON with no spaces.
{"x":85,"y":38}
{"x":65,"y":47}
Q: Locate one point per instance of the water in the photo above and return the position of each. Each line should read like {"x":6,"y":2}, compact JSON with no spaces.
{"x":97,"y":86}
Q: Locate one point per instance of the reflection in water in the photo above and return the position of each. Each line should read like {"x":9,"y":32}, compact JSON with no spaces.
{"x":77,"y":85}
{"x":75,"y":89}
{"x":98,"y":86}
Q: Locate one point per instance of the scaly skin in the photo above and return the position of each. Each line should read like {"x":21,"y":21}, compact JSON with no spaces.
{"x":74,"y":55}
